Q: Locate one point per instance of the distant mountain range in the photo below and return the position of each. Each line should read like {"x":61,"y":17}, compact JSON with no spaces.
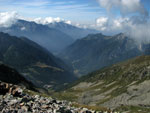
{"x":33,"y":61}
{"x":96,"y":51}
{"x":72,"y":31}
{"x":54,"y":37}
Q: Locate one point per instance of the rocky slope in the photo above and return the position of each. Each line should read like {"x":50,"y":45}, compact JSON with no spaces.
{"x":123,"y":86}
{"x":97,"y":51}
{"x":33,"y":61}
{"x":50,"y":38}
{"x":19,"y":101}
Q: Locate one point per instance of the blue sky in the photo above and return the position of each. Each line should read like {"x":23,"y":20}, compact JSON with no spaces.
{"x":79,"y":11}
{"x":75,"y":10}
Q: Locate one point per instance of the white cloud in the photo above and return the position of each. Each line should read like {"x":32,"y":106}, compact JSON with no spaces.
{"x":136,"y":26}
{"x":140,"y":31}
{"x":8,"y":18}
{"x":48,"y":20}
{"x":125,"y":6}
{"x":102,"y":23}
{"x":68,"y":22}
{"x":132,"y":6}
{"x":105,"y":25}
{"x":84,"y":26}
{"x":118,"y":24}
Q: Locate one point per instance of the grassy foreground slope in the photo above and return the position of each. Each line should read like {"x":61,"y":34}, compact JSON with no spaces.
{"x":123,"y":86}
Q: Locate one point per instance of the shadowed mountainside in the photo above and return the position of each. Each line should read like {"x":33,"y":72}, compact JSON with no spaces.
{"x":34,"y":62}
{"x":10,"y":75}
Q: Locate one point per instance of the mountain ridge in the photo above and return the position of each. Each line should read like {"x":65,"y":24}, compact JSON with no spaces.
{"x":33,"y":61}
{"x":50,"y":38}
{"x":72,"y":31}
{"x":96,"y":51}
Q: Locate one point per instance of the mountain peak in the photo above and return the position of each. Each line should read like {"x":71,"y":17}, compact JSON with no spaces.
{"x":94,"y":36}
{"x":120,"y":36}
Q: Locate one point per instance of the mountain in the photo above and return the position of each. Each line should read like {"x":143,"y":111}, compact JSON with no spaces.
{"x":123,"y":87}
{"x":97,"y":51}
{"x":72,"y":31}
{"x":10,"y":75}
{"x":50,"y":38}
{"x":33,"y":61}
{"x":146,"y":49}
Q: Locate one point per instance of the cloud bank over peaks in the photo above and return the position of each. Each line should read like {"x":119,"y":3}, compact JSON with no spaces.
{"x":49,"y":20}
{"x":8,"y":18}
{"x":135,"y":27}
{"x":134,"y":19}
{"x":112,"y":26}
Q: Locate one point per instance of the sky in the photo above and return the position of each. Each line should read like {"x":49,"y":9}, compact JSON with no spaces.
{"x":79,"y":11}
{"x":107,"y":16}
